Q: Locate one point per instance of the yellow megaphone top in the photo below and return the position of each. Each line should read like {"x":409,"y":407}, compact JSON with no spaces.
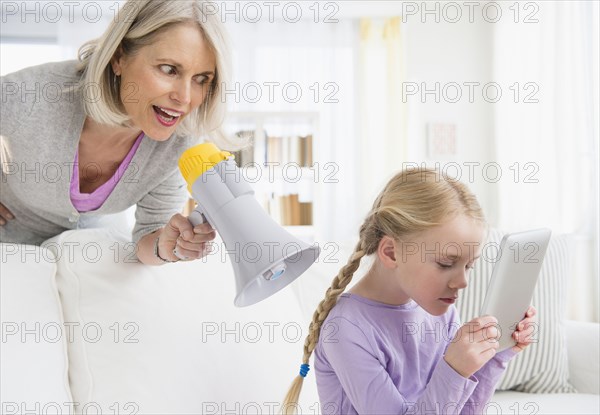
{"x":195,"y":161}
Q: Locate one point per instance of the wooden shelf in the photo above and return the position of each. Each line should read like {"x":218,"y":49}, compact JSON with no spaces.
{"x":277,"y":165}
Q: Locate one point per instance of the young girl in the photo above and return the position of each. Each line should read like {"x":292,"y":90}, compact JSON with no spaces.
{"x":394,"y":343}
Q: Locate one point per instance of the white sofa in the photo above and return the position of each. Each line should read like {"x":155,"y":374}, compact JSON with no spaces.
{"x":87,"y":329}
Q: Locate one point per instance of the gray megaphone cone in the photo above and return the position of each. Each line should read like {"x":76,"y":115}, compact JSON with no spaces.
{"x":265,"y":257}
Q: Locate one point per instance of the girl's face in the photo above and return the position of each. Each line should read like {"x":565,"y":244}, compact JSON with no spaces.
{"x":165,"y":81}
{"x":434,"y":265}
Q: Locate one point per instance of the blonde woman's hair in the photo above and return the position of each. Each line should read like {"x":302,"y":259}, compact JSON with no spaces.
{"x":138,"y":24}
{"x":413,"y":201}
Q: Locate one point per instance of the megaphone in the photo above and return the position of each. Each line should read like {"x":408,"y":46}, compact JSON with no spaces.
{"x":265,"y":257}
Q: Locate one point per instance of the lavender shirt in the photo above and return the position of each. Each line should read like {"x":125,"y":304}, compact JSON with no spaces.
{"x":85,"y":202}
{"x":374,"y":358}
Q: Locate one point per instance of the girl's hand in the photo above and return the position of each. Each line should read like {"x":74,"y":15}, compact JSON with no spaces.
{"x":180,"y":240}
{"x":5,"y":215}
{"x":473,"y":346}
{"x":524,"y":333}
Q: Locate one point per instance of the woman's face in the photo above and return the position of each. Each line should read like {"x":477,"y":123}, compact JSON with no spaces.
{"x":165,"y":81}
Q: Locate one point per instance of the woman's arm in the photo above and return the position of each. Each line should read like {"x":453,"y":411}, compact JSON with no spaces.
{"x":20,"y":92}
{"x":146,"y":250}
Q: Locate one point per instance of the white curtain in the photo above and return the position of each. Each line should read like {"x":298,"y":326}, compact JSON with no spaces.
{"x":549,"y":126}
{"x":381,"y":113}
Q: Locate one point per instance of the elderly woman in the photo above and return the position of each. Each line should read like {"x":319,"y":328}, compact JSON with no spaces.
{"x":111,"y":138}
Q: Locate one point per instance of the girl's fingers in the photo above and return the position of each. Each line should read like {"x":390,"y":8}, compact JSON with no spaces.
{"x":526,"y":322}
{"x":531,"y":311}
{"x":480,"y":323}
{"x":5,"y":215}
{"x":524,"y":336}
{"x":490,"y":333}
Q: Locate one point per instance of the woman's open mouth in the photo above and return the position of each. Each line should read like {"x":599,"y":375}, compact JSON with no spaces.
{"x":165,"y":116}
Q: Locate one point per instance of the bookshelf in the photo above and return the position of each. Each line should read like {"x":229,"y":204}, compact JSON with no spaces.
{"x":279,"y":164}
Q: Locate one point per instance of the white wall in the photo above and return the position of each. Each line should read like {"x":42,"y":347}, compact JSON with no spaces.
{"x":448,"y":53}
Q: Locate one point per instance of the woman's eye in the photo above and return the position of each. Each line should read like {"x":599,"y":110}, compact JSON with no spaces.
{"x":167,"y":69}
{"x":442,"y":265}
{"x":470,"y":266}
{"x":202,"y":79}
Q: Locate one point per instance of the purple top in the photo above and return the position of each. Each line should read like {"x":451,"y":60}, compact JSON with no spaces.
{"x":85,"y":202}
{"x":374,"y":358}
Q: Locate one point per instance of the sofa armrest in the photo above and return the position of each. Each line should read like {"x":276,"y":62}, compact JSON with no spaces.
{"x":583,"y":343}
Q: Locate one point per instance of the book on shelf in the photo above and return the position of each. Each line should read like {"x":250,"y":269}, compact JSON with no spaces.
{"x":290,"y":149}
{"x":307,"y":151}
{"x":279,"y":150}
{"x":273,"y":150}
{"x":306,"y":213}
{"x":287,"y":210}
{"x":294,"y":209}
{"x":286,"y":214}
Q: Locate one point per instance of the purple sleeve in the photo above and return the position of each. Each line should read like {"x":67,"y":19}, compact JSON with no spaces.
{"x":488,"y":376}
{"x":371,"y":390}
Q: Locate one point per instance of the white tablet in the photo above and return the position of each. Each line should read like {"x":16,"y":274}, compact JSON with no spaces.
{"x":513,"y":280}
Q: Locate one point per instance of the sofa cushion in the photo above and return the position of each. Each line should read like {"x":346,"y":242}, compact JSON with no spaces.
{"x":584,"y":367}
{"x":167,"y":339}
{"x":33,"y":351}
{"x":543,"y":366}
{"x":510,"y":402}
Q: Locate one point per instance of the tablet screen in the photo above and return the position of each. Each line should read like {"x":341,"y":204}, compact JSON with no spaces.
{"x":513,"y":280}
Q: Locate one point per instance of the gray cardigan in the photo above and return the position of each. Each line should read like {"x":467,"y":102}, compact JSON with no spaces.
{"x":40,"y":129}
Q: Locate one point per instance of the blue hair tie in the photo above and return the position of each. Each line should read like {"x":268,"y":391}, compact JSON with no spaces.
{"x":304,"y":368}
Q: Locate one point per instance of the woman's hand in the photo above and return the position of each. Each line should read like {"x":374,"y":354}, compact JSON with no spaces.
{"x":524,"y":333}
{"x":180,"y":240}
{"x":473,"y":346}
{"x":5,"y":215}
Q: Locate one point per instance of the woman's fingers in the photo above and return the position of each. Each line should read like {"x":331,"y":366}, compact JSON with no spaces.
{"x":194,"y":243}
{"x":203,"y":229}
{"x":198,"y":251}
{"x":184,"y":241}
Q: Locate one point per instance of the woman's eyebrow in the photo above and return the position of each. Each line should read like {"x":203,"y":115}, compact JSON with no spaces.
{"x":454,"y":257}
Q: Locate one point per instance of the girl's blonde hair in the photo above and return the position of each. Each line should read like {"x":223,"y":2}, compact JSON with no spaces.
{"x":138,"y":24}
{"x":413,"y":201}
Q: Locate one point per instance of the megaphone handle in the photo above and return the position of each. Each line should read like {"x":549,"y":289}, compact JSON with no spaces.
{"x":196,"y":218}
